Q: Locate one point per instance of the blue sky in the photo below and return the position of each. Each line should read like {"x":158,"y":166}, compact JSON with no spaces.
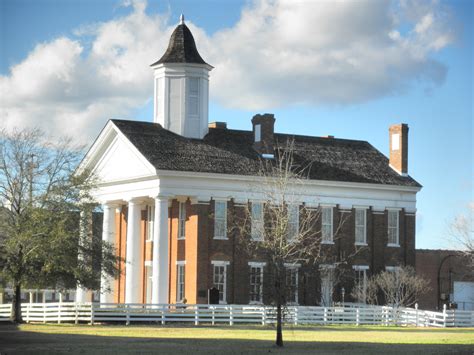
{"x":428,"y":85}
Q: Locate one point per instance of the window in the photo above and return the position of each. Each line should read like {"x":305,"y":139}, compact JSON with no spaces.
{"x":193,"y":103}
{"x":361,"y":282}
{"x":327,"y":225}
{"x":395,"y":269}
{"x":360,"y":226}
{"x":393,"y":228}
{"x":327,"y":284}
{"x":293,"y":221}
{"x":149,"y":281}
{"x":182,"y":220}
{"x":292,"y":284}
{"x":150,"y":210}
{"x":220,"y":220}
{"x":257,"y":221}
{"x":258,"y":133}
{"x":256,"y":282}
{"x":220,"y":279}
{"x":180,"y":282}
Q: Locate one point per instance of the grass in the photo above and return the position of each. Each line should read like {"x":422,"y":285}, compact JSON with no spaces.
{"x":67,"y":338}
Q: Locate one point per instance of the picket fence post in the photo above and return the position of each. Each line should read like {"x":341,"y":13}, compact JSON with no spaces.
{"x":444,"y":315}
{"x":127,"y":313}
{"x":59,"y":308}
{"x":92,"y":313}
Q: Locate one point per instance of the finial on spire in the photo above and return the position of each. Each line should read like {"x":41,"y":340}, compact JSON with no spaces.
{"x":181,"y":19}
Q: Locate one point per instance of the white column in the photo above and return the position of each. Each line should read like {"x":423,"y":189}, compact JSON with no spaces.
{"x":132,"y":259}
{"x":108,"y":236}
{"x":160,"y":251}
{"x":85,"y":231}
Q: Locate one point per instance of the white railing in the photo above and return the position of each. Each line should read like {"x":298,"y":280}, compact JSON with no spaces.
{"x":233,"y":314}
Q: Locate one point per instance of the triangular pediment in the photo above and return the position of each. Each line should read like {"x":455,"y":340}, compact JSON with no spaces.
{"x":113,"y":157}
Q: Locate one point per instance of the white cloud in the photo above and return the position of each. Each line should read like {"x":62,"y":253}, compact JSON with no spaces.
{"x":279,"y":53}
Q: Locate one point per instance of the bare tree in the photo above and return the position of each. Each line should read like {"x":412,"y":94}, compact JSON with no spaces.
{"x":461,"y":234}
{"x":39,"y":218}
{"x":399,"y":288}
{"x":281,"y":230}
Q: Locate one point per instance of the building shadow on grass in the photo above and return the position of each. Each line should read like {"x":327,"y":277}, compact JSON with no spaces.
{"x":14,"y":341}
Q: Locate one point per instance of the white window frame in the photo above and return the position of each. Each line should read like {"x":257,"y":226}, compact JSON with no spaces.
{"x":363,"y":269}
{"x":327,"y":271}
{"x":258,"y":133}
{"x":294,"y":223}
{"x":222,"y":220}
{"x":194,"y":95}
{"x":182,"y":220}
{"x":180,"y":280}
{"x":293,"y":268}
{"x":224,"y":264}
{"x":395,"y":229}
{"x":360,"y":227}
{"x":324,"y":238}
{"x":257,"y":266}
{"x":257,"y":224}
{"x":150,"y":210}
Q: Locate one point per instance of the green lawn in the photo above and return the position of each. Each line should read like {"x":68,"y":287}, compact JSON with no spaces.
{"x":48,"y":338}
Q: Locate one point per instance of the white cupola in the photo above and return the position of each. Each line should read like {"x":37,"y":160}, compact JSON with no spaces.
{"x":181,"y":96}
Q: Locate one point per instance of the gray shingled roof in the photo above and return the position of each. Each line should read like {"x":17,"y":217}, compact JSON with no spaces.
{"x":227,"y":151}
{"x":182,"y":48}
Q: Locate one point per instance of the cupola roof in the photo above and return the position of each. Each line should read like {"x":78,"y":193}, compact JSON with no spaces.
{"x":182,"y":48}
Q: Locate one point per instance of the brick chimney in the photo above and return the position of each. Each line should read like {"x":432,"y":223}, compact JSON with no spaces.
{"x":263,"y":126}
{"x":399,"y":148}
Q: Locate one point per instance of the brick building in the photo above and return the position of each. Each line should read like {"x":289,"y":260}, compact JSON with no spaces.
{"x":451,"y":281}
{"x":170,"y":191}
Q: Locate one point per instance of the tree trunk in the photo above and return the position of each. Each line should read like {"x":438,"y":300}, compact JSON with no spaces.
{"x":279,"y":338}
{"x":16,"y":304}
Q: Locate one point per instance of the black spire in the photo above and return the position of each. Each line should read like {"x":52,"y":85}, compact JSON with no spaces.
{"x":182,"y":48}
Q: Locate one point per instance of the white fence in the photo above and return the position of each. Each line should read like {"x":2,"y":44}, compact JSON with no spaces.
{"x":234,"y":314}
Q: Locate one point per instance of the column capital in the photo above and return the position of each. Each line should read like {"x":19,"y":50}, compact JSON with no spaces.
{"x":111,"y":204}
{"x":162,"y":196}
{"x":137,"y":200}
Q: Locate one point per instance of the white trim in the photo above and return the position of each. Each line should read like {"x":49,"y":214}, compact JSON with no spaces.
{"x":148,"y":262}
{"x":328,"y":205}
{"x":180,"y":262}
{"x":257,"y":263}
{"x":327,"y":266}
{"x":392,"y":268}
{"x":220,"y":262}
{"x":393,"y":208}
{"x":360,"y":267}
{"x":391,"y":245}
{"x":292,"y":265}
{"x":360,"y":207}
